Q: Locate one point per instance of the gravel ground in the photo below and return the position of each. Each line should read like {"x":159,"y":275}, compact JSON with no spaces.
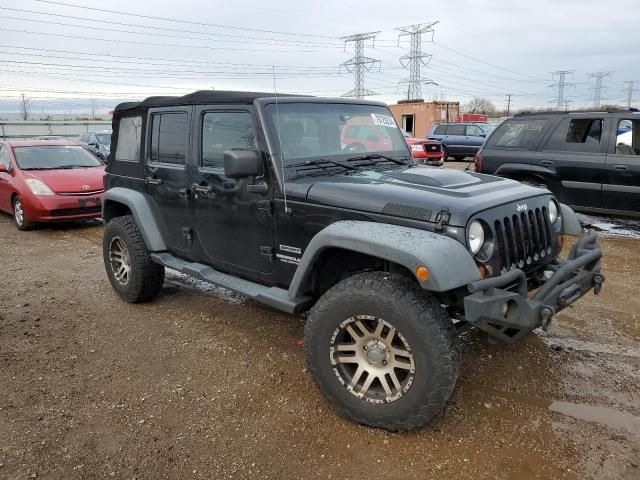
{"x":204,"y":384}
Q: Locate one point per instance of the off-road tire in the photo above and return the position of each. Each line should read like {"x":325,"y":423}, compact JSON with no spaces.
{"x":146,"y":277}
{"x":423,"y":323}
{"x":25,"y":224}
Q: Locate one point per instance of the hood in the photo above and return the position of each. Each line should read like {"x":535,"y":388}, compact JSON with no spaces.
{"x":75,"y":180}
{"x":417,"y":193}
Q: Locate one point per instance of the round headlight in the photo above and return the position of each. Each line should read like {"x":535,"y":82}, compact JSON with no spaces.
{"x":553,"y":211}
{"x":475,"y":236}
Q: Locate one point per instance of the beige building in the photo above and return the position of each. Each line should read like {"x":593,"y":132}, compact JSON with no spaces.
{"x":416,"y":117}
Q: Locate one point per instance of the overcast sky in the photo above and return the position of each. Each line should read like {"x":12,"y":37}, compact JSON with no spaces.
{"x":487,"y":48}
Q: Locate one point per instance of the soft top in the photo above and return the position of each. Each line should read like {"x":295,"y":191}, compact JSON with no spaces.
{"x":198,"y":98}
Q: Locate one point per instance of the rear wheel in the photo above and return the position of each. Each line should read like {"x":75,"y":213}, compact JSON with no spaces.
{"x":132,"y":273}
{"x":445,"y":154}
{"x":459,"y":158}
{"x":382,"y":351}
{"x":19,"y":215}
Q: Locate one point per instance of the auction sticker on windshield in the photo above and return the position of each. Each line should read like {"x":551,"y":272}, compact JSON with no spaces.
{"x":383,"y":120}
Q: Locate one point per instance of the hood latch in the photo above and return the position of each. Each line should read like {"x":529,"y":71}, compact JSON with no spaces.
{"x":442,"y":219}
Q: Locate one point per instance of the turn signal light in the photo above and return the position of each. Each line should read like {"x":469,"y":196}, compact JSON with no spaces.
{"x":422,"y":273}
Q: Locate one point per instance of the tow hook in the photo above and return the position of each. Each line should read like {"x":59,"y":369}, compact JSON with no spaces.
{"x":547,"y":314}
{"x":598,"y":280}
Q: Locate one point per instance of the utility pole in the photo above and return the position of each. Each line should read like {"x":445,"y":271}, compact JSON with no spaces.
{"x":562,"y":84}
{"x":508,"y":96}
{"x":566,"y":105}
{"x":629,"y":91}
{"x":415,"y":59}
{"x":359,"y":63}
{"x":597,"y":89}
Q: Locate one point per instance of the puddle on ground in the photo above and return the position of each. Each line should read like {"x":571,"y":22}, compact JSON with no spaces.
{"x":609,"y":226}
{"x":606,"y":416}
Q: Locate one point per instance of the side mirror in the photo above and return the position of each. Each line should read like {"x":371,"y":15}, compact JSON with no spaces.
{"x":241,"y":163}
{"x":483,"y":135}
{"x":93,"y":144}
{"x":3,"y":168}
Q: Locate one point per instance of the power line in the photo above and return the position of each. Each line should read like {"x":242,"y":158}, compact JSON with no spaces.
{"x":153,"y":27}
{"x":562,"y":84}
{"x":629,"y":91}
{"x":175,"y":20}
{"x":359,"y":63}
{"x":598,"y":87}
{"x":415,"y":59}
{"x":234,"y":38}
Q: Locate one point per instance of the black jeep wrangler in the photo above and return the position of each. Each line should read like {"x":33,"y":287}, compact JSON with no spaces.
{"x":262,"y":195}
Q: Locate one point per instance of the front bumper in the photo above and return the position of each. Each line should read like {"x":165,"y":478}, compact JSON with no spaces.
{"x":501,"y":305}
{"x":53,"y":208}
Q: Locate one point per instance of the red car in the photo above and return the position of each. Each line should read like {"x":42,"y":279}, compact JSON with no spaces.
{"x":428,"y":152}
{"x":45,"y":181}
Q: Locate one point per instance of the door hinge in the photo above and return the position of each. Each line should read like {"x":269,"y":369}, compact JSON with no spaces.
{"x":267,"y":251}
{"x":265,"y":206}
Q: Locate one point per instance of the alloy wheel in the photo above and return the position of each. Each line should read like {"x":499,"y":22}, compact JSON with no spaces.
{"x":18,"y":212}
{"x":119,"y":260}
{"x":372,"y":359}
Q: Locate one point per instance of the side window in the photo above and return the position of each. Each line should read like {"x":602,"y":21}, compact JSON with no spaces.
{"x":455,"y":130}
{"x":584,"y":135}
{"x":128,"y":141}
{"x":169,"y":134}
{"x":440,"y":130}
{"x":522,"y":134}
{"x":628,"y":137}
{"x":225,"y":131}
{"x":474,"y":131}
{"x":83,"y":138}
{"x":4,"y":157}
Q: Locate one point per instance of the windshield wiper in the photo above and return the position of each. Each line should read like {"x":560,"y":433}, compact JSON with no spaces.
{"x":377,"y":156}
{"x":322,"y":164}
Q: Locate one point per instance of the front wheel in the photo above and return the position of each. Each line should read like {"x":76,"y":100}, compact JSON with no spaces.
{"x":132,"y":273}
{"x":19,"y":215}
{"x":382,"y":351}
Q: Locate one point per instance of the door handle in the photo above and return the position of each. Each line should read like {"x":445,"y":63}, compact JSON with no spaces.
{"x":202,"y":189}
{"x":152,"y":181}
{"x":546,"y":163}
{"x":620,"y":167}
{"x":183,"y":193}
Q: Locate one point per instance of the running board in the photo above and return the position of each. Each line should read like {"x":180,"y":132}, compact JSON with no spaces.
{"x":272,"y":296}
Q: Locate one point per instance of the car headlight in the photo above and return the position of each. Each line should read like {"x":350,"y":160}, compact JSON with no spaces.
{"x":38,"y":187}
{"x":552,"y":211}
{"x":475,"y":236}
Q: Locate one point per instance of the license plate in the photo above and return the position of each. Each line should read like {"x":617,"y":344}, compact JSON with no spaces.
{"x":89,"y":202}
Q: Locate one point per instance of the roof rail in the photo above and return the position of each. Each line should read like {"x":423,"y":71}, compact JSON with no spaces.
{"x":563,"y":112}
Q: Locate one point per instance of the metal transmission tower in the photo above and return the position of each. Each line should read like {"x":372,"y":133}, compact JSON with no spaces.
{"x":359,"y":63}
{"x":597,"y":89}
{"x":415,"y":59}
{"x":562,"y":85}
{"x":629,"y":91}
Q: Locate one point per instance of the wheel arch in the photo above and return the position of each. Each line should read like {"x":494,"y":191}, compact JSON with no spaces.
{"x":402,"y":249}
{"x":120,"y":201}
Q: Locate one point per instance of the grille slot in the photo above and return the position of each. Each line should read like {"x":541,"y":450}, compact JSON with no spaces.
{"x":75,"y":211}
{"x":523,"y":238}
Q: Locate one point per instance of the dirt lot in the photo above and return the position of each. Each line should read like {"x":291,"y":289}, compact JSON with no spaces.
{"x":203,"y":384}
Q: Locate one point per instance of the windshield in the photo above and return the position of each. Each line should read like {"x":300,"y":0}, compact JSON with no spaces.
{"x":54,"y":157}
{"x":104,"y":138}
{"x":320,"y":130}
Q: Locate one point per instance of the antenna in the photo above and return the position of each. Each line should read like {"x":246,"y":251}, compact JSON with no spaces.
{"x":287,"y":210}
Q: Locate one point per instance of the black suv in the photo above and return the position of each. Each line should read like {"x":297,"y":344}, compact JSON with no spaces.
{"x":261,"y":195}
{"x":589,"y":160}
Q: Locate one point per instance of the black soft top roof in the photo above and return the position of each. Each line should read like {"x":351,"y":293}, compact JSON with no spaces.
{"x":200,"y":97}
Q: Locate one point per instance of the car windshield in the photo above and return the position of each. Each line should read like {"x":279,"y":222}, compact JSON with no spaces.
{"x":104,"y":138}
{"x":54,"y":157}
{"x":319,"y":130}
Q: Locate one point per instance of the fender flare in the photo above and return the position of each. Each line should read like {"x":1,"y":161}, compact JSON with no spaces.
{"x":450,"y":264}
{"x":570,"y":222}
{"x":141,"y":211}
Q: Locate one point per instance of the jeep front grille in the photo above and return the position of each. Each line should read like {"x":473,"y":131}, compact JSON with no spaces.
{"x":524,"y":238}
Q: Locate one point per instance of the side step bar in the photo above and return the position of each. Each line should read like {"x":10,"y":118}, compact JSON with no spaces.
{"x":272,"y":296}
